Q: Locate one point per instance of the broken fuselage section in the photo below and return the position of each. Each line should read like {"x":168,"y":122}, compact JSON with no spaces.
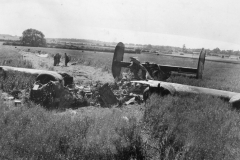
{"x":49,"y":89}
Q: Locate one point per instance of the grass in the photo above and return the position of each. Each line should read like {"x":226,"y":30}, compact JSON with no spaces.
{"x":10,"y":57}
{"x":192,"y":127}
{"x":16,"y":81}
{"x":31,"y":132}
{"x":12,"y":81}
{"x":171,"y":128}
{"x":182,"y":127}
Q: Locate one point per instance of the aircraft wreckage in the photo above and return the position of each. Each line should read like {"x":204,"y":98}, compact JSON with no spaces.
{"x":54,"y":89}
{"x":158,"y":73}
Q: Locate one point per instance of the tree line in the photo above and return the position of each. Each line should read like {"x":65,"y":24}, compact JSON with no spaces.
{"x":35,"y":38}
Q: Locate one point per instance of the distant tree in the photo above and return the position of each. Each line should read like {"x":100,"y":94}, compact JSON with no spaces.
{"x":138,"y":50}
{"x":33,"y":37}
{"x":229,"y":52}
{"x":223,"y":52}
{"x":237,"y":53}
{"x":216,"y":50}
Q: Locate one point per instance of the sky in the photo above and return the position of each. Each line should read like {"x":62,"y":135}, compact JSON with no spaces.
{"x":195,"y":23}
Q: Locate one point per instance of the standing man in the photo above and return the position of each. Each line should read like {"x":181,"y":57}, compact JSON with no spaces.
{"x":67,"y":59}
{"x":55,"y":60}
{"x":58,"y":58}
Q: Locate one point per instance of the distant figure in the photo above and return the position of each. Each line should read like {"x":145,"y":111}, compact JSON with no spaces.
{"x":56,"y":58}
{"x":67,"y":59}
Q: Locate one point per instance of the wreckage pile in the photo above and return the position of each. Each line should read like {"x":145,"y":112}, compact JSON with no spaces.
{"x":51,"y":92}
{"x":55,"y":95}
{"x":57,"y":90}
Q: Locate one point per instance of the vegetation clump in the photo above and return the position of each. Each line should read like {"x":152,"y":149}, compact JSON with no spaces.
{"x":33,"y":37}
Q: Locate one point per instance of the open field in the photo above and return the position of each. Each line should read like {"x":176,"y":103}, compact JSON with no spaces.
{"x":183,"y":127}
{"x":208,"y":58}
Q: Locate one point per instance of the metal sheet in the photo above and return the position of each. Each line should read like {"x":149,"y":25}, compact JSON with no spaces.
{"x":107,"y":95}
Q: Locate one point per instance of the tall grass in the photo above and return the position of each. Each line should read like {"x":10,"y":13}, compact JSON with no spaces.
{"x":31,"y":132}
{"x":192,"y":127}
{"x":172,"y":128}
{"x":14,"y":80}
{"x":9,"y":56}
{"x":16,"y":63}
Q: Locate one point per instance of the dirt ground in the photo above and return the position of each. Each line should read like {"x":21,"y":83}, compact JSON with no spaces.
{"x":81,"y":74}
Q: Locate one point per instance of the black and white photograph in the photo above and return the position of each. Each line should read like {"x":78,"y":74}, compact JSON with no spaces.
{"x":119,"y":80}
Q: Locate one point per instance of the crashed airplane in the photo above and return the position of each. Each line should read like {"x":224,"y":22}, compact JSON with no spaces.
{"x":54,"y":89}
{"x":154,"y":75}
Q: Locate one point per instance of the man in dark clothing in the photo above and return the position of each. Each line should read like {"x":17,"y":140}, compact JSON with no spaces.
{"x":67,"y":59}
{"x":55,"y":60}
{"x":58,"y":58}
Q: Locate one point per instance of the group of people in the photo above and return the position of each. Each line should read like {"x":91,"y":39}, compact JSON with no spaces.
{"x":57,"y":58}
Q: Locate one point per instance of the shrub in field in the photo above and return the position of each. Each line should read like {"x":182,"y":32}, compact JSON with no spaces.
{"x":192,"y":127}
{"x":31,"y":132}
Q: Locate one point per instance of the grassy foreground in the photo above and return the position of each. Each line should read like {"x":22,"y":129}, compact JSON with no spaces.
{"x":192,"y":127}
{"x":170,"y":128}
{"x":181,"y":127}
{"x":31,"y":132}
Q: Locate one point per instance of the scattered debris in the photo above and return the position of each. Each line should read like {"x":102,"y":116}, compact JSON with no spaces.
{"x":42,"y":55}
{"x":17,"y":102}
{"x":53,"y":94}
